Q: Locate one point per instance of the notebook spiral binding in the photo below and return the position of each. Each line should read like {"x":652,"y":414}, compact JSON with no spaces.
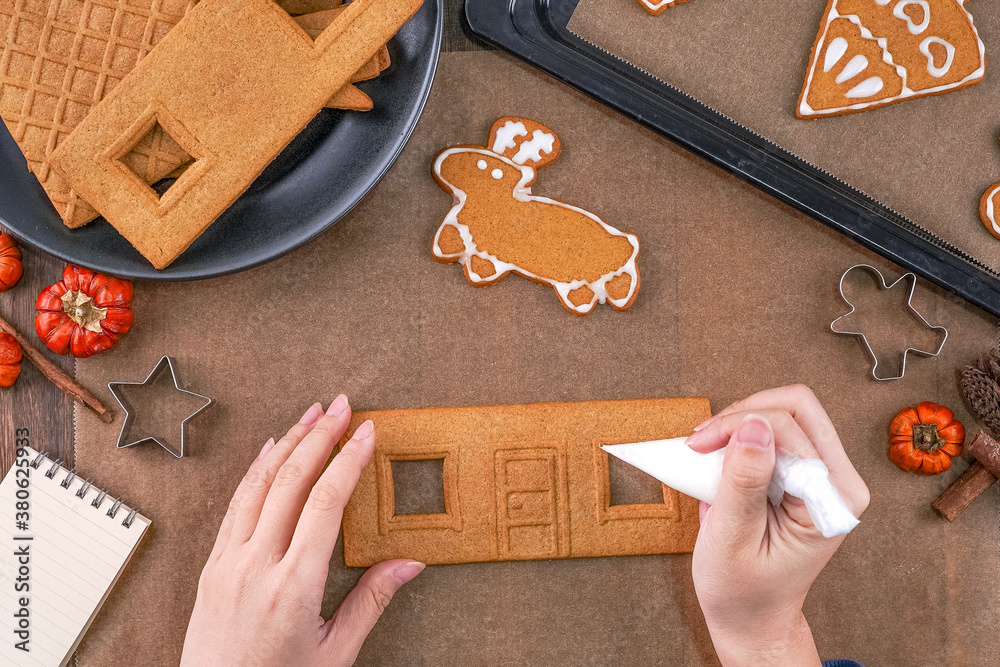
{"x":82,"y":492}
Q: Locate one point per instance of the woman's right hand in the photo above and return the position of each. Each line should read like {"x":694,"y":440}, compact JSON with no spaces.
{"x":753,"y":562}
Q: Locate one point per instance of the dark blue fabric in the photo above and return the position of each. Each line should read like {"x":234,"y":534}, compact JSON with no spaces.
{"x":841,"y":663}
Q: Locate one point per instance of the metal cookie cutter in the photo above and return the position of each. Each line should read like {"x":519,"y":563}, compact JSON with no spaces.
{"x":909,"y":305}
{"x":165,"y":363}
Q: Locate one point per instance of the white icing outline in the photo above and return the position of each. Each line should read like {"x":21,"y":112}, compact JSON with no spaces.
{"x":522,"y":192}
{"x":989,"y":209}
{"x":806,"y":111}
{"x":835,"y":48}
{"x":507,"y":134}
{"x":657,"y":5}
{"x":925,"y":49}
{"x":914,"y":28}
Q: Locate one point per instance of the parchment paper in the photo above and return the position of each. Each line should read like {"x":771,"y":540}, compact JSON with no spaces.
{"x":737,"y":295}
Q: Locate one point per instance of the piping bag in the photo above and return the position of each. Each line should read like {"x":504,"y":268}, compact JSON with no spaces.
{"x":698,"y":475}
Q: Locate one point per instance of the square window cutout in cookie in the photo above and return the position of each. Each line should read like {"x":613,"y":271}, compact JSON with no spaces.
{"x":151,"y":153}
{"x":630,"y":486}
{"x":418,"y":486}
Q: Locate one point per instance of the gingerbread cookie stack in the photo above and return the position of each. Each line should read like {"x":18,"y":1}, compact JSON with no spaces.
{"x":63,"y":58}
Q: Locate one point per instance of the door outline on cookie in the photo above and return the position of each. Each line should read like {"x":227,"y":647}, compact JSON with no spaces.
{"x":531,"y":504}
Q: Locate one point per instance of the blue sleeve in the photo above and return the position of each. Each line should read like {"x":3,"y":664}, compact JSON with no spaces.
{"x":841,"y":663}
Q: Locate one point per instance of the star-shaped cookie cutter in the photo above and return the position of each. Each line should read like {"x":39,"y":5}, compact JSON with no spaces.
{"x":909,"y":305}
{"x":165,"y":363}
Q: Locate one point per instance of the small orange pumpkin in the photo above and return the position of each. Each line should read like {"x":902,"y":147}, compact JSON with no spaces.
{"x":10,"y":263}
{"x":84,"y":313}
{"x":10,"y":359}
{"x":924,"y":439}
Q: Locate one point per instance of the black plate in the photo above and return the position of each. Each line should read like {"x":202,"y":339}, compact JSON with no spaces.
{"x":314,"y":182}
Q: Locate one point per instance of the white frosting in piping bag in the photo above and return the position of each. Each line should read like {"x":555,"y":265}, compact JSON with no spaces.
{"x":698,"y":475}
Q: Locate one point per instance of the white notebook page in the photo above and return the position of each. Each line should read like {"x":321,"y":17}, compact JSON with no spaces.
{"x":75,"y":554}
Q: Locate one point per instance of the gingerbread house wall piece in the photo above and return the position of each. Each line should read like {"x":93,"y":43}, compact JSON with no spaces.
{"x":521,"y":482}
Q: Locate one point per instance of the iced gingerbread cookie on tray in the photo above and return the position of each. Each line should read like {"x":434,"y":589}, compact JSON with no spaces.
{"x":497,"y":226}
{"x":989,"y":209}
{"x":870,"y":53}
{"x":656,"y":7}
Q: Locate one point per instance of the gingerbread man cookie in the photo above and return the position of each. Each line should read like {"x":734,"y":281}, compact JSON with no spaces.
{"x":870,"y":53}
{"x":497,"y":226}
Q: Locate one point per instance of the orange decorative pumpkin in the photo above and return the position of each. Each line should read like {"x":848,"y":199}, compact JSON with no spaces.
{"x":10,"y":359}
{"x":924,"y":439}
{"x":10,"y":264}
{"x":84,"y":313}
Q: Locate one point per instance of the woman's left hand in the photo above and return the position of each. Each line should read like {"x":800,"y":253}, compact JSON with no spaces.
{"x":260,"y":593}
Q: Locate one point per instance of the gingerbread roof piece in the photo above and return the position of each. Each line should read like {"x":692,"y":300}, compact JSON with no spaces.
{"x":85,"y":49}
{"x":871,"y":53}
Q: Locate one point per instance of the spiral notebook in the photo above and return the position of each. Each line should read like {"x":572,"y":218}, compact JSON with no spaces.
{"x":64,"y":544}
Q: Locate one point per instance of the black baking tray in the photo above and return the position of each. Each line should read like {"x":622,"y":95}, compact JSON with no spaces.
{"x":535,"y":30}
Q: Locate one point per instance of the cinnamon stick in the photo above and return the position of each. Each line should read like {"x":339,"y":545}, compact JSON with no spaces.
{"x":957,"y":497}
{"x":74,"y":389}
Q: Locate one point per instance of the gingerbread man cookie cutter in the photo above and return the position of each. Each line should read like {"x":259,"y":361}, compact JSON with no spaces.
{"x":909,"y":305}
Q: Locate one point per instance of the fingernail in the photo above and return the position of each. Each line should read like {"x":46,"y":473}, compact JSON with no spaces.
{"x":703,"y":424}
{"x":695,"y":437}
{"x":266,"y":448}
{"x":755,"y":431}
{"x":312,"y":414}
{"x":407,"y":571}
{"x":364,"y":430}
{"x":338,"y":406}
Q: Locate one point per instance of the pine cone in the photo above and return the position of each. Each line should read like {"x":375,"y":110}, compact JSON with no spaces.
{"x":981,"y":386}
